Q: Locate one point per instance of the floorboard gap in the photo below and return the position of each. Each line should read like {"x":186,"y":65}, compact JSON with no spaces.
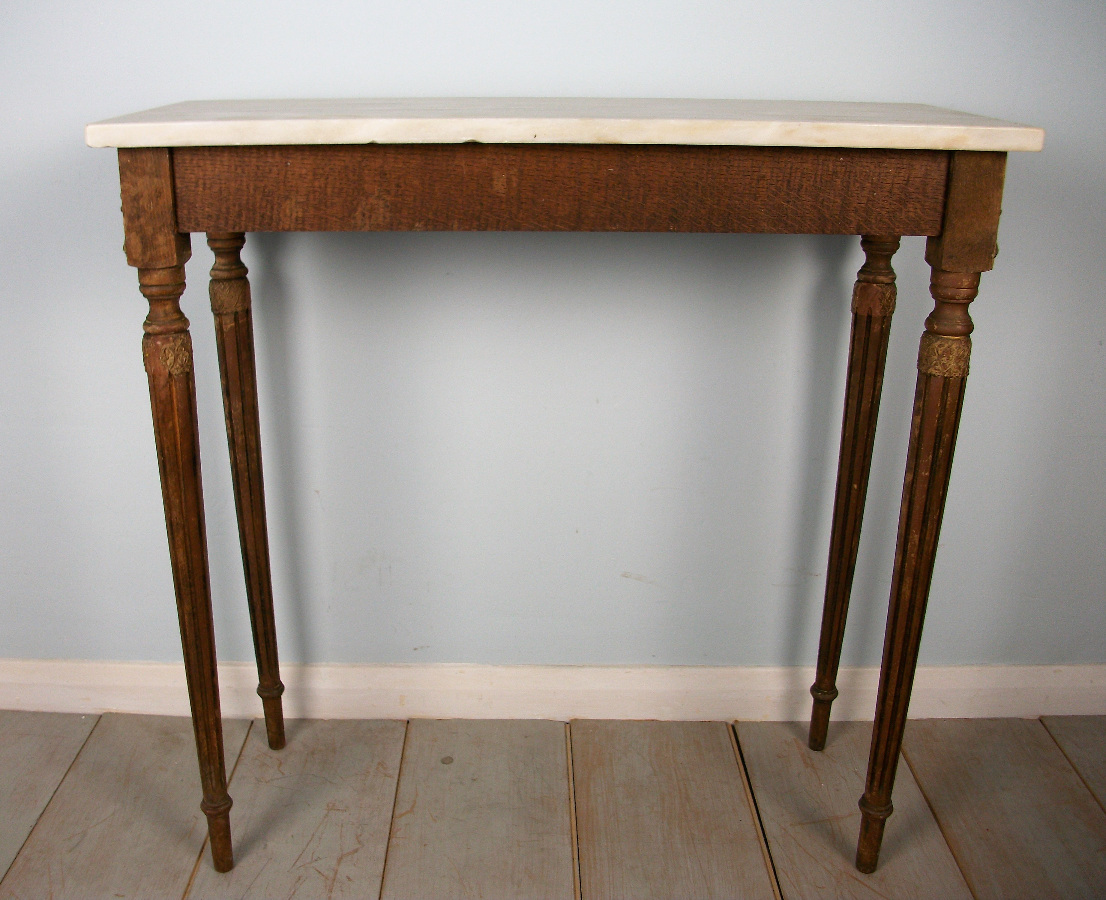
{"x":395,"y":797}
{"x":752,"y":800}
{"x":940,"y":824}
{"x":574,"y":833}
{"x":1071,"y":763}
{"x":52,"y":793}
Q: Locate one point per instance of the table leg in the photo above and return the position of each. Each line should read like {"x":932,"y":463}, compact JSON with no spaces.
{"x":230,"y":302}
{"x":873,"y":304}
{"x":942,"y":374}
{"x":167,"y":352}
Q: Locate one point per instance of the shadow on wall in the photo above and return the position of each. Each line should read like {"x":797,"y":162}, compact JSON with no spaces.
{"x":738,"y":288}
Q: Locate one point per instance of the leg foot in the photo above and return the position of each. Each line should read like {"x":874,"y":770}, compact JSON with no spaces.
{"x":872,"y":820}
{"x":274,"y":718}
{"x":222,"y":855}
{"x":819,"y":717}
{"x":218,"y":833}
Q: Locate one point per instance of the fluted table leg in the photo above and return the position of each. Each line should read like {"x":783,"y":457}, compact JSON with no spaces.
{"x":873,"y":304}
{"x":965,"y":247}
{"x":230,"y":302}
{"x":942,"y":374}
{"x":159,"y":251}
{"x":167,"y":352}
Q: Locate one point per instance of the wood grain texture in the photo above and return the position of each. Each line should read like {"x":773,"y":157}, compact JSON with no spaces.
{"x":565,"y":187}
{"x":1083,"y":740}
{"x":1018,"y":818}
{"x":807,"y":804}
{"x":124,"y":822}
{"x":968,"y":241}
{"x":483,"y":811}
{"x":151,"y":237}
{"x":311,"y":820}
{"x":661,"y":812}
{"x":36,"y":749}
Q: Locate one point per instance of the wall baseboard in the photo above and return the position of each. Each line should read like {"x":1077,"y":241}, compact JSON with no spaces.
{"x":551,"y":692}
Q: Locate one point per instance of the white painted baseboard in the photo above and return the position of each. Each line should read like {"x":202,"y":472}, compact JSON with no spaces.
{"x":551,"y":692}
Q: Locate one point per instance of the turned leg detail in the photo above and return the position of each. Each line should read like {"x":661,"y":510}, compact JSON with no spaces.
{"x":167,"y":352}
{"x":230,"y":302}
{"x":873,"y":304}
{"x":942,"y":374}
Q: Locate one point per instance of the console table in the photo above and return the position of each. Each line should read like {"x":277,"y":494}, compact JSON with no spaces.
{"x":875,"y":170}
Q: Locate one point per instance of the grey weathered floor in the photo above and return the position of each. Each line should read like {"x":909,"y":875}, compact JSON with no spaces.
{"x":107,"y":806}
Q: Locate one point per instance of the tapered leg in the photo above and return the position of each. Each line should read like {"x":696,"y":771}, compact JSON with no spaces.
{"x":942,"y":373}
{"x":873,"y":304}
{"x":167,"y":352}
{"x":230,"y":302}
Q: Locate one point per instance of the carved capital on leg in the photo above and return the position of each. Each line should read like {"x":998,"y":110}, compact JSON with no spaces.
{"x":166,"y":344}
{"x":874,"y":292}
{"x":229,"y":289}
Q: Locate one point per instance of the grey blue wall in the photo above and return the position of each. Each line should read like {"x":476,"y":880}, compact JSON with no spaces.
{"x":550,"y":448}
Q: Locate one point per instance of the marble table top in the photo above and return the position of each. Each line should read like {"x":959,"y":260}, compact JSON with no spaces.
{"x":561,"y":120}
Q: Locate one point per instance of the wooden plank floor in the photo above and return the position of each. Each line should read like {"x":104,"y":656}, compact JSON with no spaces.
{"x":36,"y":750}
{"x":1083,"y":739}
{"x":661,"y":811}
{"x":807,"y":802}
{"x":483,"y":811}
{"x":984,"y":777}
{"x":310,"y":820}
{"x":125,"y":820}
{"x":108,"y":807}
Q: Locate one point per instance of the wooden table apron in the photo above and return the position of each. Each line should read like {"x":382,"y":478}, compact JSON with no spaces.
{"x":953,"y":197}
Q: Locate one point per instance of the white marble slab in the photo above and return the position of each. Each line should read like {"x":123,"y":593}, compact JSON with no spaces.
{"x":561,"y":121}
